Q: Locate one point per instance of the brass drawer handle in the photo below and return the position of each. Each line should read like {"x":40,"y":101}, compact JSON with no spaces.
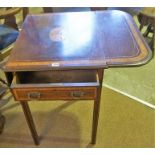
{"x":77,"y":94}
{"x":33,"y":95}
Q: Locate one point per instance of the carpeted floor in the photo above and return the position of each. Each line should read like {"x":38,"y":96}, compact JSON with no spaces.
{"x":123,"y":123}
{"x":138,"y":82}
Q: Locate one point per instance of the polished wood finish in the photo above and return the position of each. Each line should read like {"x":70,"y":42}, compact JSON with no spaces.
{"x":63,"y":93}
{"x":70,"y":45}
{"x":63,"y":56}
{"x":55,"y":85}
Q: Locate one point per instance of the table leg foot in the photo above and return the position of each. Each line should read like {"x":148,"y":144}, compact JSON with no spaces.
{"x":95,"y":121}
{"x":30,"y":122}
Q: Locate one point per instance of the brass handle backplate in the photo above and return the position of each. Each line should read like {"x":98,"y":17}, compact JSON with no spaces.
{"x":77,"y":94}
{"x":33,"y":95}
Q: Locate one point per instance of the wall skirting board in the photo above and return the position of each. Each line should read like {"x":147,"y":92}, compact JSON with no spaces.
{"x":130,"y":96}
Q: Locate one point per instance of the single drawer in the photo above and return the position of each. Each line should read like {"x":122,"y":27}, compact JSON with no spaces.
{"x":69,"y":93}
{"x":64,"y":85}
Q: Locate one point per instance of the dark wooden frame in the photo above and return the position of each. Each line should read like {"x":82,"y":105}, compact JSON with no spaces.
{"x":96,"y":109}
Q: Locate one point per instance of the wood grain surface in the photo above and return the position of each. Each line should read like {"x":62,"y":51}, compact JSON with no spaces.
{"x":78,"y":40}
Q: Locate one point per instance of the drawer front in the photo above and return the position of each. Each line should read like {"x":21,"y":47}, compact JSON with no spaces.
{"x":70,"y":93}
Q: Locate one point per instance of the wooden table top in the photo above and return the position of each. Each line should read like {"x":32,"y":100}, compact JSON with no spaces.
{"x":77,"y":40}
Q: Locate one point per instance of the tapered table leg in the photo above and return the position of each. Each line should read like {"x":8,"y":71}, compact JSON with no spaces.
{"x":97,"y":108}
{"x":30,"y":122}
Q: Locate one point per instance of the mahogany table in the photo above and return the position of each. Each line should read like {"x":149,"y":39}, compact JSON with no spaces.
{"x":62,"y":56}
